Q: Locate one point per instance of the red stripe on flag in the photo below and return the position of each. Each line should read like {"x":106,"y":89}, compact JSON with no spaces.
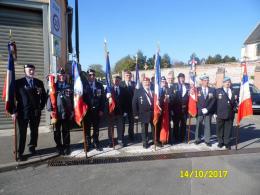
{"x":164,"y":134}
{"x":244,"y":110}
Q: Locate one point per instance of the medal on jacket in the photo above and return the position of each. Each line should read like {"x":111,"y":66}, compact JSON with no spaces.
{"x":141,"y":99}
{"x":220,"y":96}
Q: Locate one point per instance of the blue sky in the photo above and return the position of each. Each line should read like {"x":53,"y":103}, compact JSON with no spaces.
{"x":206,"y":27}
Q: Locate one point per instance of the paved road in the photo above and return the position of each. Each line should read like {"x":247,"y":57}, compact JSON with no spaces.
{"x":149,"y":177}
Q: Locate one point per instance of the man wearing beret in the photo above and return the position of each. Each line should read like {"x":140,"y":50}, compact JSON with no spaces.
{"x":31,"y":99}
{"x":180,"y":108}
{"x":129,"y":87}
{"x":94,"y":97}
{"x":143,"y":109}
{"x":226,"y":106}
{"x":65,"y":113}
{"x":205,"y":106}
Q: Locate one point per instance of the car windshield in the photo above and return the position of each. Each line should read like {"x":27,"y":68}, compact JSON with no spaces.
{"x":254,"y":89}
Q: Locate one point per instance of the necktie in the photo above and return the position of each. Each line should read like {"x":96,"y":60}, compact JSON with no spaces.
{"x":117,"y":91}
{"x":181,"y":90}
{"x":31,"y":83}
{"x":204,"y":93}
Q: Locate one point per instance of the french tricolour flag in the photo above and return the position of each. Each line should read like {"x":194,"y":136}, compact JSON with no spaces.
{"x":245,"y":101}
{"x":9,"y":89}
{"x":110,"y":95}
{"x":157,"y":84}
{"x":80,"y":107}
{"x":192,"y":106}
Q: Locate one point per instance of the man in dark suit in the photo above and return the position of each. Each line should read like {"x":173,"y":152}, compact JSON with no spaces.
{"x":116,"y":117}
{"x":143,"y":109}
{"x":94,"y":97}
{"x":129,"y":87}
{"x":171,"y":93}
{"x":180,"y":108}
{"x":31,"y":98}
{"x":65,"y":113}
{"x":205,"y":106}
{"x":226,"y":106}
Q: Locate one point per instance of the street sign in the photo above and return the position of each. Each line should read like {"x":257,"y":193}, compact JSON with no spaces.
{"x":55,"y":18}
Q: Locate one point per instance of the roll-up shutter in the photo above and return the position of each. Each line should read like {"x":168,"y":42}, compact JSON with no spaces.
{"x":27,"y":30}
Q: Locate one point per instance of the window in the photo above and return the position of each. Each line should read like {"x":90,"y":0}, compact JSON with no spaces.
{"x":258,"y":50}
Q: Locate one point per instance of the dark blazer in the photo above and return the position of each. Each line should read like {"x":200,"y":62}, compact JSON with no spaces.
{"x":141,"y":106}
{"x":179,"y":102}
{"x":208,"y":103}
{"x":129,"y":94}
{"x":30,"y":101}
{"x":120,"y":104}
{"x":225,"y":107}
{"x":95,"y":100}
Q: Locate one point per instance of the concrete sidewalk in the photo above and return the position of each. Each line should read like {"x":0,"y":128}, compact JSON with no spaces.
{"x":45,"y":149}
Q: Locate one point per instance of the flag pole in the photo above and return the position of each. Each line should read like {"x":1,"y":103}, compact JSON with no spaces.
{"x":237,"y":135}
{"x":110,"y":115}
{"x":15,"y":120}
{"x":136,"y":120}
{"x":188,"y":141}
{"x":84,"y":138}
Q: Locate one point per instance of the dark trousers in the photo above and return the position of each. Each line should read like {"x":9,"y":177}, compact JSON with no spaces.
{"x":22,"y":132}
{"x":145,"y":136}
{"x":63,"y":124}
{"x":224,"y":130}
{"x":179,"y":129}
{"x":130,"y":119}
{"x":92,"y":119}
{"x":171,"y":118}
{"x":118,"y":121}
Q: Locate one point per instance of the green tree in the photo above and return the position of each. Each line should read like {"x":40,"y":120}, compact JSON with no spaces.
{"x":98,"y":68}
{"x":226,"y":59}
{"x":150,"y":62}
{"x":194,"y":55}
{"x":141,"y":59}
{"x":218,"y":58}
{"x":166,"y":61}
{"x":125,"y":63}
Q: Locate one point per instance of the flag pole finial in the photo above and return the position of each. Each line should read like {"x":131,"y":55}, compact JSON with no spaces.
{"x":10,"y":35}
{"x":158,"y":46}
{"x":105,"y":46}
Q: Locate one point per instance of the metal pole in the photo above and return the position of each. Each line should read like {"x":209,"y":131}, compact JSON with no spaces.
{"x":77,"y":29}
{"x":237,"y":135}
{"x":15,"y":140}
{"x":189,"y":130}
{"x":84,"y":138}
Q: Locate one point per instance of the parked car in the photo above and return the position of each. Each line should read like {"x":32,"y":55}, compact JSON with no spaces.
{"x":255,"y":95}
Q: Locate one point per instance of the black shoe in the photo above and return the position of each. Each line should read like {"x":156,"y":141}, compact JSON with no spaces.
{"x":32,"y":150}
{"x":21,"y":158}
{"x":60,"y":151}
{"x":98,"y":147}
{"x":145,"y":145}
{"x":208,"y":144}
{"x":131,"y":138}
{"x":228,"y":147}
{"x":197,"y":142}
{"x":67,"y":151}
{"x":220,"y":145}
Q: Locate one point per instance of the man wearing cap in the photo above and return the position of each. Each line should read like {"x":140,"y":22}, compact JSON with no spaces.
{"x":65,"y":113}
{"x":143,"y":109}
{"x":31,"y":99}
{"x":94,"y":97}
{"x":226,"y":106}
{"x":180,"y":108}
{"x":129,"y":87}
{"x":205,"y":105}
{"x":116,"y":118}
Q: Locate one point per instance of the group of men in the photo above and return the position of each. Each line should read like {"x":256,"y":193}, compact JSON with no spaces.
{"x":129,"y":103}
